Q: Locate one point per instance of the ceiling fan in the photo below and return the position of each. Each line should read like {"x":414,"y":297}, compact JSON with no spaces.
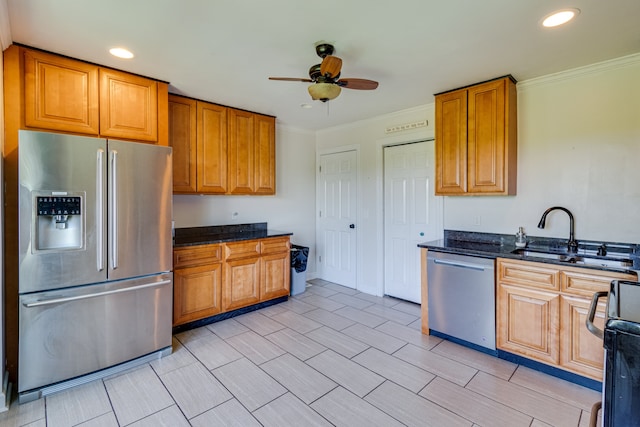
{"x":325,"y":76}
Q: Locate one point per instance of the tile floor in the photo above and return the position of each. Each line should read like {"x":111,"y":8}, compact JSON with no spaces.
{"x":329,"y":356}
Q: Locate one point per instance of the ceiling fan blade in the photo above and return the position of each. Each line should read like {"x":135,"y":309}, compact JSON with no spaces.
{"x":291,"y":79}
{"x":331,"y":65}
{"x":361,"y":84}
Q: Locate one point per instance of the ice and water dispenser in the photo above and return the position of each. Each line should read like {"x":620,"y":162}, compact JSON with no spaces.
{"x":58,"y":221}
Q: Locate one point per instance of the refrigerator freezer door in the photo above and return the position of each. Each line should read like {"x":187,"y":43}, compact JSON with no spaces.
{"x":140,"y":191}
{"x":69,"y":250}
{"x":73,"y":332}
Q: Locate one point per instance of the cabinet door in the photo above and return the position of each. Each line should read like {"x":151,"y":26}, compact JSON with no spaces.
{"x":580,"y":351}
{"x":242,"y":152}
{"x":451,"y":143}
{"x":211,"y":144}
{"x":196,"y":292}
{"x":265,"y":146}
{"x":275,"y":276}
{"x":242,"y":283}
{"x":486,"y":137}
{"x":489,"y":140}
{"x":182,"y":138}
{"x":528,"y":323}
{"x":128,"y":106}
{"x":60,"y":94}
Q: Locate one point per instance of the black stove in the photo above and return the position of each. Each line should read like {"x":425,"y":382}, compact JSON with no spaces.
{"x":621,"y":383}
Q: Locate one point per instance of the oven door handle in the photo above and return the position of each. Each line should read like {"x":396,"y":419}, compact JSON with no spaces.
{"x":592,"y":314}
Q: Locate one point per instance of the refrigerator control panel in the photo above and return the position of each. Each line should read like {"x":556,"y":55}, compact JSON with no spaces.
{"x":59,"y":205}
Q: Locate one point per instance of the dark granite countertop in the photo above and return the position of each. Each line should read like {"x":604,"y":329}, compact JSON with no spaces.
{"x":489,"y":245}
{"x":192,"y":236}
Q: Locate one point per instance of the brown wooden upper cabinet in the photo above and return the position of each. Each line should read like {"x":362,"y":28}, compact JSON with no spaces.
{"x":60,"y":94}
{"x":67,"y":95}
{"x":220,"y":150}
{"x":128,"y":106}
{"x":476,"y":139}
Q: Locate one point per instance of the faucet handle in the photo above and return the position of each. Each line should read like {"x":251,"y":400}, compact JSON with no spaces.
{"x":572,"y":246}
{"x":602,"y":250}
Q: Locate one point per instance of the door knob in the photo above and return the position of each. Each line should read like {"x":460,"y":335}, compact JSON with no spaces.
{"x":352,"y":226}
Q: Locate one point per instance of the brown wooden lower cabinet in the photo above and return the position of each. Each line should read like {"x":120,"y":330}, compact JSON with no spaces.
{"x":525,"y":319}
{"x":580,"y":350}
{"x":242,"y":281}
{"x":196,"y":292}
{"x":541,"y":310}
{"x":213,"y":279}
{"x":274,"y":276}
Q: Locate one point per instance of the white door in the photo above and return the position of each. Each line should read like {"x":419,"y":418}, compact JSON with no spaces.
{"x":337,"y":218}
{"x":412,"y":214}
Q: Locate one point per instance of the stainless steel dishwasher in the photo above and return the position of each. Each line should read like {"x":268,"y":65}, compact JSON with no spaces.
{"x":462,"y":302}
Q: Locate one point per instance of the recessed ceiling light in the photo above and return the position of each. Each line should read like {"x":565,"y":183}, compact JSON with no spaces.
{"x":305,"y":105}
{"x":121,"y":52}
{"x":560,"y":17}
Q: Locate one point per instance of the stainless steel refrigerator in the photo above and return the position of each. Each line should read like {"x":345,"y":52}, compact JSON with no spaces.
{"x":95,"y":257}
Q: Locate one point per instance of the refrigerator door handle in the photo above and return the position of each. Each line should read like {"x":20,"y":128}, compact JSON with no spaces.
{"x":114,"y":209}
{"x":52,"y":301}
{"x":99,"y":210}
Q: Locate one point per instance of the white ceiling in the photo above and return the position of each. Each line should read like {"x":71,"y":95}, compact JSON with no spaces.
{"x":224,"y":51}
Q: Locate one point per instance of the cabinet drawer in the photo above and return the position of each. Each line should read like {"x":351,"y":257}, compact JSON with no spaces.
{"x":275,"y":245}
{"x":583,"y":281}
{"x":532,"y":274}
{"x":197,"y":255}
{"x":244,"y":249}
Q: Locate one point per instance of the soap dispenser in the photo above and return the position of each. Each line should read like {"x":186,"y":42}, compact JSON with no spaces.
{"x":521,"y":238}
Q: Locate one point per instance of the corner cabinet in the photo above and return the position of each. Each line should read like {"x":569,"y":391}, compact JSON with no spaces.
{"x":217,"y":278}
{"x":220,"y":150}
{"x":67,"y":95}
{"x":541,"y":311}
{"x":476,"y":139}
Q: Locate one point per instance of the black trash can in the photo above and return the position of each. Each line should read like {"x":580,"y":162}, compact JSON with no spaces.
{"x":299,"y":257}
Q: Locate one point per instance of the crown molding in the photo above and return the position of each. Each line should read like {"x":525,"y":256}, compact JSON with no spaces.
{"x":598,"y":67}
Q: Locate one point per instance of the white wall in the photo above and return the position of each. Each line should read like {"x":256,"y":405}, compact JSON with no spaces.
{"x":369,"y":136}
{"x":578,"y":147}
{"x":291,"y":209}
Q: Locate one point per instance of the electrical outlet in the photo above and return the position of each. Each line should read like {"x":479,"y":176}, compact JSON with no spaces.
{"x":478,"y":220}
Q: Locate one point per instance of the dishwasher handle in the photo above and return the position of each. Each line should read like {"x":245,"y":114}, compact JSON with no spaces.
{"x":477,"y":267}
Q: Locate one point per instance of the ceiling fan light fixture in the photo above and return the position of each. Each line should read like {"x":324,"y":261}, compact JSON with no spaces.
{"x":324,"y":91}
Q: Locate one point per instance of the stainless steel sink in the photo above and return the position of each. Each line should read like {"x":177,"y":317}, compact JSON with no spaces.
{"x":547,"y":255}
{"x":577,"y":259}
{"x":604,"y":262}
